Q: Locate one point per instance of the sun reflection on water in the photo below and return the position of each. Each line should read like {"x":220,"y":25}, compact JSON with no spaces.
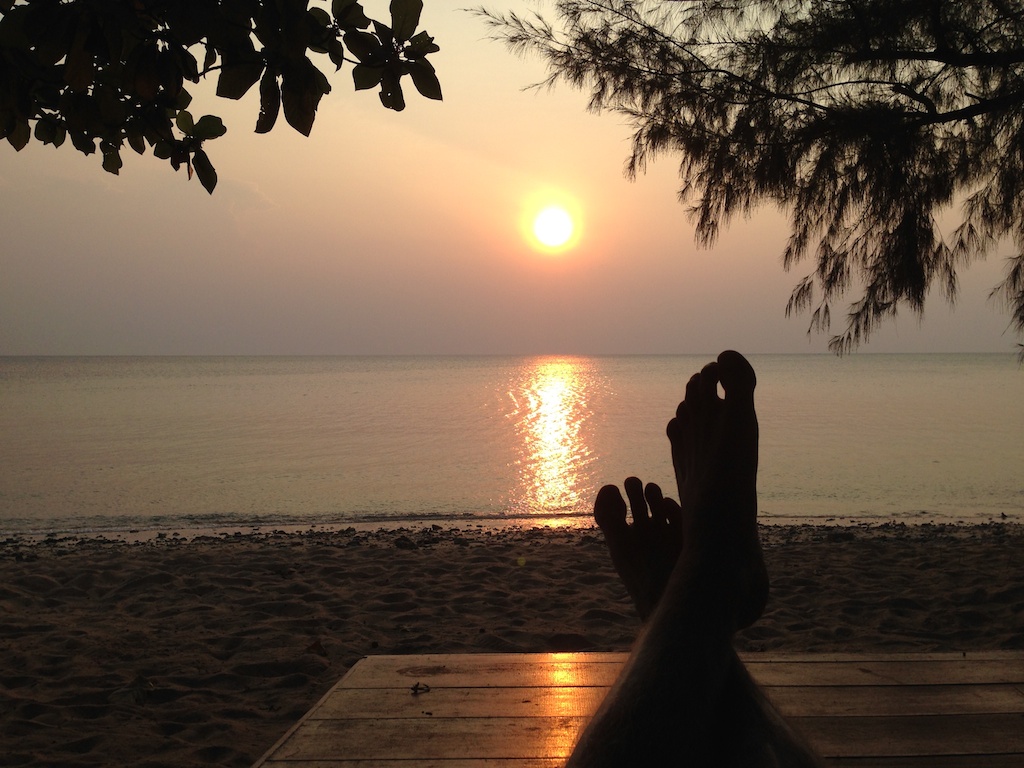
{"x":551,"y":411}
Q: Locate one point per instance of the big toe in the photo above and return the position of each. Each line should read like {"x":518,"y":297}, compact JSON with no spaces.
{"x":736,"y":375}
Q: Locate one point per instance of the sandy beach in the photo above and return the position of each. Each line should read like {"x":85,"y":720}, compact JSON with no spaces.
{"x":201,"y":652}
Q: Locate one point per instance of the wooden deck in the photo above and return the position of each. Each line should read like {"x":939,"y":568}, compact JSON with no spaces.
{"x":524,"y":710}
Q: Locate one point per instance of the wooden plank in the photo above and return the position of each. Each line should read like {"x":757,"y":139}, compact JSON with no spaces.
{"x":532,"y":762}
{"x":793,"y":701}
{"x":501,"y":671}
{"x":923,"y":761}
{"x":504,"y":737}
{"x":930,"y":761}
{"x":982,"y":761}
{"x":770,"y":656}
{"x":895,"y":672}
{"x":385,"y":661}
{"x":434,"y":739}
{"x":913,"y":736}
{"x":895,"y":700}
{"x":815,"y":657}
{"x":389,"y":703}
{"x":533,"y":670}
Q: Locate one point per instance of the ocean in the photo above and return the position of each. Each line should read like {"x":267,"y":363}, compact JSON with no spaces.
{"x":176,"y":444}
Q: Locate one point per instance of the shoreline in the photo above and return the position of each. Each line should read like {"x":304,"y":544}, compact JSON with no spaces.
{"x":190,"y":529}
{"x":204,"y":651}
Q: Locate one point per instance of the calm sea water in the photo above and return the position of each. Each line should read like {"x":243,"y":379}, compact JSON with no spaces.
{"x":99,"y":444}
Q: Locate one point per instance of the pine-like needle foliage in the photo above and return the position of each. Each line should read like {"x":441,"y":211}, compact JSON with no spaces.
{"x":864,"y":120}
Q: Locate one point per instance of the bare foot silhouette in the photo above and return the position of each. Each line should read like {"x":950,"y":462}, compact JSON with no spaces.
{"x":645,"y":551}
{"x":714,"y":453}
{"x":684,"y":696}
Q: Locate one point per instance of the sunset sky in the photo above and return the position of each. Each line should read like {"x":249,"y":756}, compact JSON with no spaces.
{"x":402,"y":233}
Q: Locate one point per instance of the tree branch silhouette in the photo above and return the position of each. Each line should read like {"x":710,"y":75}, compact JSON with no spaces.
{"x":863,"y":120}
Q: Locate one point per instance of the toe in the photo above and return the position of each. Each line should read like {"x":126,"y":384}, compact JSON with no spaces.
{"x":674,"y":430}
{"x":656,"y":502}
{"x":709,"y":377}
{"x":673,"y":513}
{"x":692,"y":392}
{"x":664,"y":511}
{"x":737,"y":375}
{"x":637,"y":503}
{"x":610,"y":509}
{"x":678,"y":427}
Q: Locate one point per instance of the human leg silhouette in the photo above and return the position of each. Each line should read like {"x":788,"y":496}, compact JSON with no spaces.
{"x":684,"y":697}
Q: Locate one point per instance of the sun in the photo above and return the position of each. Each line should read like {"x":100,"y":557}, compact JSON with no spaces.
{"x":551,"y":221}
{"x":553,"y":226}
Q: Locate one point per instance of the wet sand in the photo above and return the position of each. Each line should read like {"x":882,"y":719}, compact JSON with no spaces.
{"x":197,"y":652}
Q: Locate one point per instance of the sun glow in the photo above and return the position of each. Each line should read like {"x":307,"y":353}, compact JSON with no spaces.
{"x":551,"y":222}
{"x":553,"y":226}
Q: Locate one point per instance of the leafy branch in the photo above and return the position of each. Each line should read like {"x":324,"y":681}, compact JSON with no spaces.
{"x":111,"y":73}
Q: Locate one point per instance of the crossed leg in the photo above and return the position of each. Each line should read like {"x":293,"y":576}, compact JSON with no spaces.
{"x":696,"y":573}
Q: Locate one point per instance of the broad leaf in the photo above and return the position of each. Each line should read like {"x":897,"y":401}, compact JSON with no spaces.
{"x":420,"y":45}
{"x":162,"y":150}
{"x":210,"y":58}
{"x":270,"y":102}
{"x":391,"y":95}
{"x":349,"y":14}
{"x":185,"y":122}
{"x":301,"y":91}
{"x":320,"y":79}
{"x":236,"y":79}
{"x":205,"y":170}
{"x":366,"y":77}
{"x":19,"y":135}
{"x":424,"y":79}
{"x":84,"y":144}
{"x":46,"y":131}
{"x":363,"y":45}
{"x":187,"y":65}
{"x":336,"y":50}
{"x":384,"y":33}
{"x":299,"y":106}
{"x":321,"y":16}
{"x":209,"y":127}
{"x":405,"y":17}
{"x":135,"y":138}
{"x":111,"y":159}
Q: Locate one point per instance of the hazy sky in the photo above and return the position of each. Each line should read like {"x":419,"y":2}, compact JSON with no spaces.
{"x":400,"y":233}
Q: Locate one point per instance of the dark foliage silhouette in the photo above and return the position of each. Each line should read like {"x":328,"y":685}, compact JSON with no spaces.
{"x":112,"y":72}
{"x":864,"y":120}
